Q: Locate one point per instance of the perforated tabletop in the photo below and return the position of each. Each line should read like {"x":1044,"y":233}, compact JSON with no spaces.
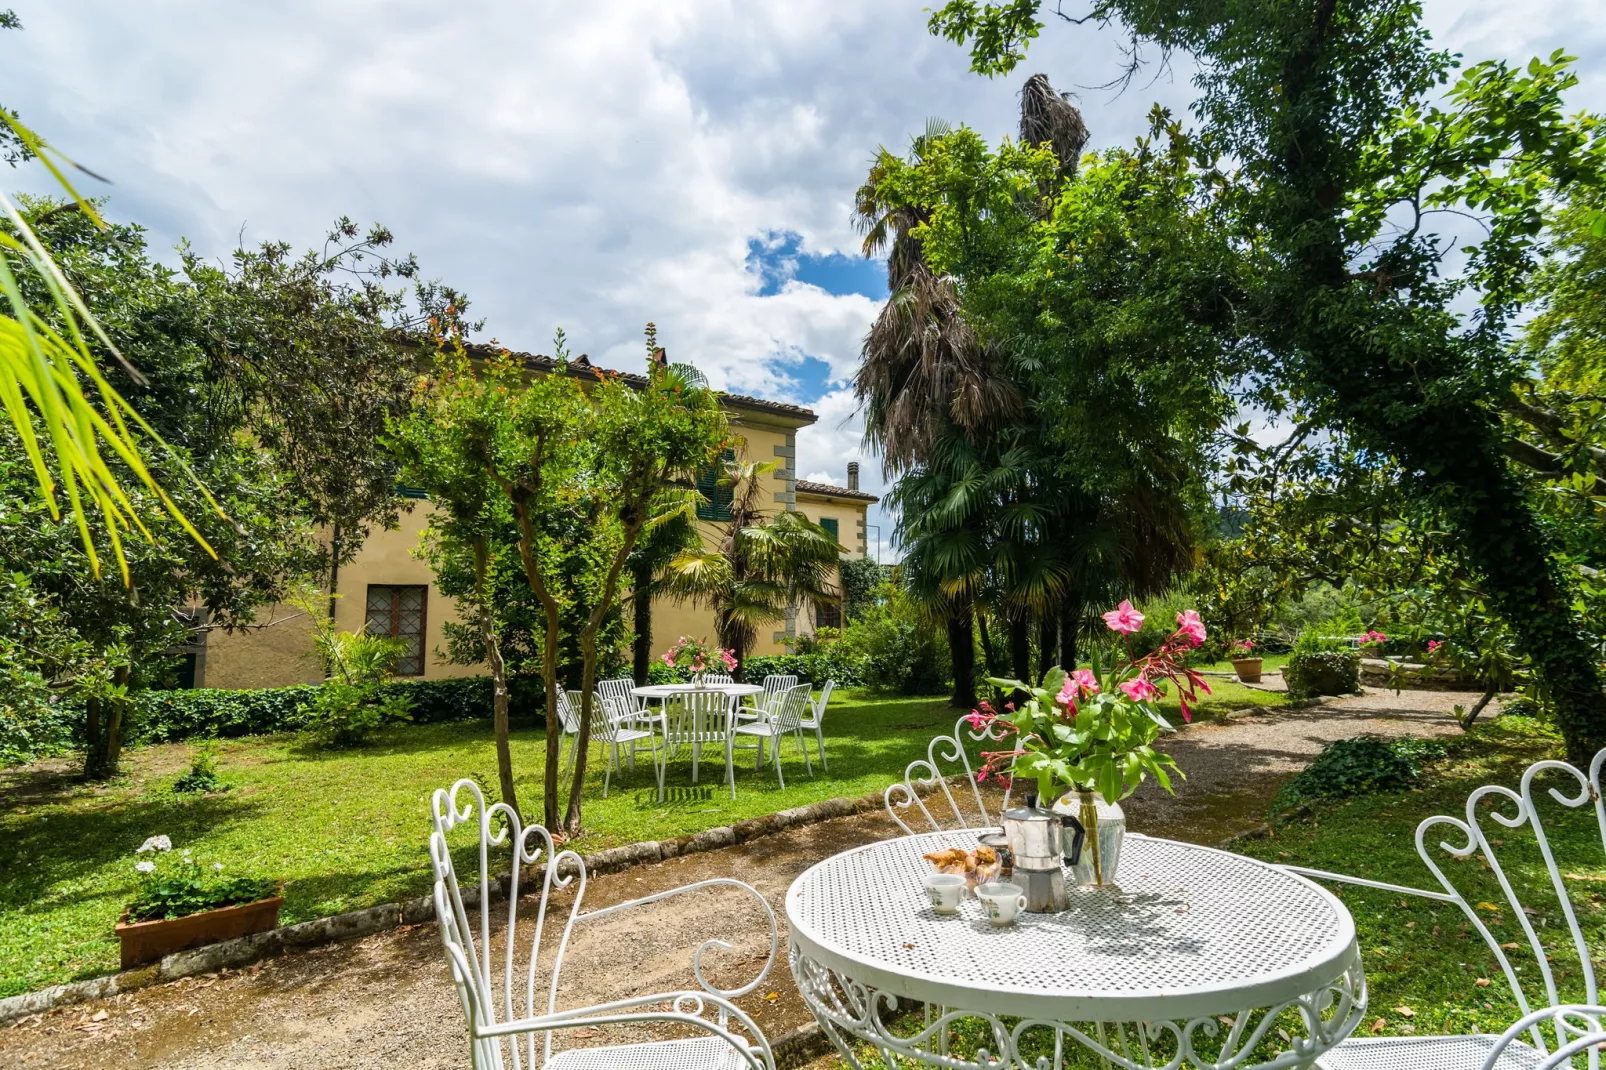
{"x":1192,"y":931}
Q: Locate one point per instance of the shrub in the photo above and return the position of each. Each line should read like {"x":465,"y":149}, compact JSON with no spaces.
{"x":177,"y":886}
{"x":1322,"y":673}
{"x":814,"y":668}
{"x":30,"y":730}
{"x":893,"y":649}
{"x":202,"y":776}
{"x":347,"y":715}
{"x":1360,"y":766}
{"x":165,"y":716}
{"x":1522,"y":706}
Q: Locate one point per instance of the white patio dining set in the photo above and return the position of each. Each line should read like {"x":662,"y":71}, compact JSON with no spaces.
{"x":716,"y":713}
{"x":1194,"y":957}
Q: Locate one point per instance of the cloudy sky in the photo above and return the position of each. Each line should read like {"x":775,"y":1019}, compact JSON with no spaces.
{"x":591,"y":166}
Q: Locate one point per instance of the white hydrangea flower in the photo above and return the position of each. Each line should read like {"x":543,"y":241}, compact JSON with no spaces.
{"x":146,"y":866}
{"x":155,"y":843}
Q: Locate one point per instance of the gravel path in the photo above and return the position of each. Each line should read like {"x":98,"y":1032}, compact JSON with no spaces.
{"x":385,"y":1001}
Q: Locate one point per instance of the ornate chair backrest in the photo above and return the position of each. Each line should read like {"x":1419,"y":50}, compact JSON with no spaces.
{"x":774,"y":687}
{"x":620,"y":691}
{"x":569,"y":710}
{"x":825,"y":697}
{"x":466,"y":930}
{"x":789,"y":708}
{"x":924,"y":773}
{"x":1550,"y":896}
{"x":706,"y":715}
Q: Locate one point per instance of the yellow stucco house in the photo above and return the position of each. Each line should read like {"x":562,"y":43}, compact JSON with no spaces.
{"x":390,"y":590}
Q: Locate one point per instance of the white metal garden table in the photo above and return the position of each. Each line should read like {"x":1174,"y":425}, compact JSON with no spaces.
{"x":1199,"y":959}
{"x":683,"y":731}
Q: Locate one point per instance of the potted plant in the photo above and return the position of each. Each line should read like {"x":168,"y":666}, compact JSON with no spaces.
{"x":1244,"y":663}
{"x":182,"y":904}
{"x":697,"y":657}
{"x":1086,"y":737}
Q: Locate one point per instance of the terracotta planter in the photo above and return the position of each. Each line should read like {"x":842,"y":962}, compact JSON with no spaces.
{"x":147,"y":941}
{"x":1248,"y":669}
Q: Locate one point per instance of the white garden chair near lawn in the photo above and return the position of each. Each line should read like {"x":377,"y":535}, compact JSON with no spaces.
{"x":814,"y":720}
{"x":1577,"y":1027}
{"x":513,"y":1029}
{"x":612,"y":727}
{"x":784,"y":718}
{"x":774,"y":687}
{"x":924,"y":774}
{"x":702,"y":717}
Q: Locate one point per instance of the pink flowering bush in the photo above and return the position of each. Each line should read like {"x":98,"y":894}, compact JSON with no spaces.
{"x":1373,"y":640}
{"x":697,"y":656}
{"x":1242,"y":648}
{"x":1092,"y":729}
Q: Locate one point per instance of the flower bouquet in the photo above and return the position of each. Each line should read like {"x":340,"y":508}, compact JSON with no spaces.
{"x":1373,"y":641}
{"x":1245,"y":663}
{"x":697,"y":657}
{"x":1093,"y":730}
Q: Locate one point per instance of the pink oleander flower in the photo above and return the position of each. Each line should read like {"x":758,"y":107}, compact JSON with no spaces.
{"x":697,"y":665}
{"x":978,"y":720}
{"x":1123,"y":618}
{"x":1138,"y":689}
{"x":1085,"y":681}
{"x":668,"y":658}
{"x":1068,"y":693}
{"x":728,"y":658}
{"x":1433,"y":645}
{"x":1373,"y":636}
{"x":1189,"y":624}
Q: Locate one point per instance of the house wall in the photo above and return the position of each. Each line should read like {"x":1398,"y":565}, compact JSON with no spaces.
{"x":850,"y":521}
{"x":281,"y":653}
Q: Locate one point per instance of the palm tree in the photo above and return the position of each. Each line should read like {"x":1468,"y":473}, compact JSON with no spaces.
{"x":760,"y":567}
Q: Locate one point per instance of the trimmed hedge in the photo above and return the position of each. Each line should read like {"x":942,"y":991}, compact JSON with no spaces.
{"x":1323,"y":673}
{"x":163,"y":716}
{"x":810,"y":668}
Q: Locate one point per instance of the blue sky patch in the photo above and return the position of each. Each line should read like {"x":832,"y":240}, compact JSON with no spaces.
{"x":778,"y":258}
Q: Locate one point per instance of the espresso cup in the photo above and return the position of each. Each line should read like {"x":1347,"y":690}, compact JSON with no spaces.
{"x":945,"y":890}
{"x":1004,"y":902}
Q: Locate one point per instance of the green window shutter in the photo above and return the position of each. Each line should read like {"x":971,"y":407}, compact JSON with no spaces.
{"x":717,"y":494}
{"x":831,"y":528}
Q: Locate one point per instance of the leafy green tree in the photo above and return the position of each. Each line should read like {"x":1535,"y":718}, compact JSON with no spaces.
{"x":1339,"y":128}
{"x":586,"y":463}
{"x":760,"y":565}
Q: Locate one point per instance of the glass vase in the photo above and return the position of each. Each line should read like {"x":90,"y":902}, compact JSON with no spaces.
{"x":1101,"y":854}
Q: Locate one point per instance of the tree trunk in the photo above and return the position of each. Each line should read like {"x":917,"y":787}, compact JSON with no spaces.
{"x":962,"y":652}
{"x":103,"y":743}
{"x":1070,"y":621}
{"x":1020,"y":645}
{"x":1448,"y":438}
{"x":554,"y":725}
{"x":574,"y":818}
{"x":1472,"y":714}
{"x":641,"y":649}
{"x":1047,"y":642}
{"x":493,"y":656}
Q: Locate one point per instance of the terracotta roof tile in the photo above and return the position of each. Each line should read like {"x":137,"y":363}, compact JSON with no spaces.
{"x":804,"y":486}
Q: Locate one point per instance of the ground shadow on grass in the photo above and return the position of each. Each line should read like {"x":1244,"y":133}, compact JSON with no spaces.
{"x":48,"y":848}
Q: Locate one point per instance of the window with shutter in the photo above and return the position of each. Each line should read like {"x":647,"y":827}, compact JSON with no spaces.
{"x":832,"y":528}
{"x":828,"y":615}
{"x":400,"y":610}
{"x":713,"y":484}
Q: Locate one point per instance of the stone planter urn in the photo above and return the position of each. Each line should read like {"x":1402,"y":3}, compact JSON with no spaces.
{"x":148,"y":941}
{"x":1248,"y":669}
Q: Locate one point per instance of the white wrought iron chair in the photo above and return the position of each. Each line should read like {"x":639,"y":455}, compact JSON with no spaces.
{"x":513,"y":1030}
{"x":775,"y":685}
{"x":783,"y":719}
{"x":611,"y":728}
{"x":814,"y":720}
{"x":1577,"y":1027}
{"x":923,"y":774}
{"x":704,"y":716}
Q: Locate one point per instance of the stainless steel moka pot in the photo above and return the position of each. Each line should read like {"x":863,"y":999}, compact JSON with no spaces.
{"x":1037,"y":840}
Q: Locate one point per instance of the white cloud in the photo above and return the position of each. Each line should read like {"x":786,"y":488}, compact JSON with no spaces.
{"x":591,"y":166}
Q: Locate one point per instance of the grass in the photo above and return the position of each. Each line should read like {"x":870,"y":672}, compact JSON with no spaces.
{"x":346,"y":829}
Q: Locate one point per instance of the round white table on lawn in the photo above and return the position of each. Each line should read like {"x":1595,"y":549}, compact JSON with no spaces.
{"x":663,"y":691}
{"x":1199,"y":958}
{"x":681,"y":734}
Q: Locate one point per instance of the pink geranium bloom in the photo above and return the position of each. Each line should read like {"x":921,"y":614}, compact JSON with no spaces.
{"x":1189,"y":624}
{"x":1123,"y":618}
{"x":1138,"y":689}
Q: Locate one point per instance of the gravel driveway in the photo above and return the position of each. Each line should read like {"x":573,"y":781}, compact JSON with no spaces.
{"x":385,"y":1001}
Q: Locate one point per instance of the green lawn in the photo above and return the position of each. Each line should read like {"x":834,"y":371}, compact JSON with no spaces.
{"x":346,"y":829}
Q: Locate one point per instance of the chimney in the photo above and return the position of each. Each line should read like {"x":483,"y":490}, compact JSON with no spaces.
{"x":853,"y":475}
